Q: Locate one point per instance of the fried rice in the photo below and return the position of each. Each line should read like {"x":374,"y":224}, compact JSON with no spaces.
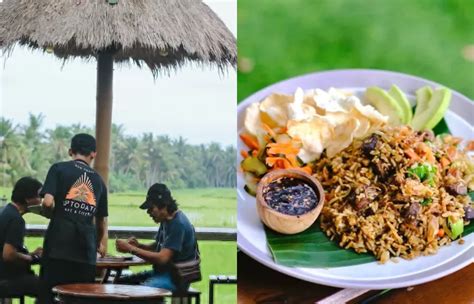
{"x":395,"y":193}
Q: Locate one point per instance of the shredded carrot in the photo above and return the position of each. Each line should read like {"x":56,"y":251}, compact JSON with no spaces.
{"x":250,"y":140}
{"x":244,"y":153}
{"x":441,"y":232}
{"x":451,"y":152}
{"x":412,"y":154}
{"x":429,"y":155}
{"x":293,"y":160}
{"x":424,"y":149}
{"x":286,"y":164}
{"x":271,"y":161}
{"x":306,"y":169}
{"x":444,"y":162}
{"x":420,"y":148}
{"x":470,"y":145}
{"x":283,"y":163}
{"x":278,"y":162}
{"x":454,"y":172}
{"x":269,"y":130}
{"x":282,"y":148}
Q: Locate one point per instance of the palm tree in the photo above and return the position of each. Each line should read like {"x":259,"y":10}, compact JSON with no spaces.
{"x":15,"y":154}
{"x":213,"y":163}
{"x":33,"y":140}
{"x":137,"y":161}
{"x":230,"y":167}
{"x":59,"y":140}
{"x":117,"y":145}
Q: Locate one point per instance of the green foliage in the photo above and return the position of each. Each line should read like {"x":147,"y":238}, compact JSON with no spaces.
{"x":136,"y":161}
{"x":279,"y":39}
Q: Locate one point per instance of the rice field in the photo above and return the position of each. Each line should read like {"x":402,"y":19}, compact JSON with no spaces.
{"x":206,"y":207}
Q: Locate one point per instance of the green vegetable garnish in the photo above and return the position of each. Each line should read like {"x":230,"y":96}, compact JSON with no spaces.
{"x":250,"y":190}
{"x":425,"y":172}
{"x":254,"y":165}
{"x":456,"y":227}
{"x":471,"y":195}
{"x":426,"y":201}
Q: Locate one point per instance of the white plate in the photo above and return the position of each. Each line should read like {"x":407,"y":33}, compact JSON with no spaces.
{"x":251,"y":237}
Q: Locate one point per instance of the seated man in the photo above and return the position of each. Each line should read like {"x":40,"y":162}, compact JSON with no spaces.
{"x":175,"y":242}
{"x":16,"y":276}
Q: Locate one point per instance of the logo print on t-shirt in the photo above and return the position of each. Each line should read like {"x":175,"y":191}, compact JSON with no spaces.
{"x":82,"y":191}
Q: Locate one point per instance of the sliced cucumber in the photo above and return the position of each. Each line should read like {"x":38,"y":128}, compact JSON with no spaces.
{"x":429,"y":114}
{"x":403,"y":102}
{"x":385,"y":104}
{"x":254,"y":165}
{"x":423,"y":96}
{"x":250,"y":183}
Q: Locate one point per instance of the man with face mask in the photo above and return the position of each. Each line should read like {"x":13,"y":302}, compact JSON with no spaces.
{"x":16,"y":276}
{"x":175,"y":242}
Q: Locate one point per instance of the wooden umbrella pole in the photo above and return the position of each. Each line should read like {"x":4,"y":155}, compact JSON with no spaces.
{"x":103,"y":122}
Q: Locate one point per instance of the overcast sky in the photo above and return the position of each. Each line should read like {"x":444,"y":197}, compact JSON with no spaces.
{"x":196,"y":103}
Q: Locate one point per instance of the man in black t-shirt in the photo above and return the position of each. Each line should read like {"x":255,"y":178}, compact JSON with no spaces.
{"x":175,"y":242}
{"x":76,"y":197}
{"x":16,"y":276}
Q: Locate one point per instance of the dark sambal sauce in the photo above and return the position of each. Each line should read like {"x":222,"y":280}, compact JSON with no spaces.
{"x":290,"y":196}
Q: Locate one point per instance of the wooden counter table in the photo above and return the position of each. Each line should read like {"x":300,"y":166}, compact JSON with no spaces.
{"x":108,"y":293}
{"x":262,"y":285}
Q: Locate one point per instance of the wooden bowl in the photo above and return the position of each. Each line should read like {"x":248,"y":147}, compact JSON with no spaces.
{"x":285,"y":223}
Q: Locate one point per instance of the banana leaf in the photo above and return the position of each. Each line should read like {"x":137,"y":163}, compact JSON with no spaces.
{"x":441,"y":128}
{"x":312,"y":248}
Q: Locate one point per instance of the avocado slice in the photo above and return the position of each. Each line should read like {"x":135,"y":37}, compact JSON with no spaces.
{"x":385,"y":104}
{"x":429,"y":113}
{"x":402,"y":100}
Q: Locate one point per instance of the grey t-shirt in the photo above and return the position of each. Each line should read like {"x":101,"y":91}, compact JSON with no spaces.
{"x":178,"y":235}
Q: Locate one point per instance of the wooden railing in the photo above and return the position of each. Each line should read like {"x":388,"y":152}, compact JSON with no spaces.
{"x":203,"y":233}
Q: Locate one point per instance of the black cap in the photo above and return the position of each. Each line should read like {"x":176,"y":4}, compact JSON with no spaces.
{"x":157,"y":194}
{"x":83,"y":143}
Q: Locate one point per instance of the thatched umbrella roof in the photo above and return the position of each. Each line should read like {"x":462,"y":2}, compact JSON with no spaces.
{"x":164,"y":34}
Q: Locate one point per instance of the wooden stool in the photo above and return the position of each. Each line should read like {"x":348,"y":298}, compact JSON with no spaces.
{"x":221,"y":279}
{"x":190,"y":294}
